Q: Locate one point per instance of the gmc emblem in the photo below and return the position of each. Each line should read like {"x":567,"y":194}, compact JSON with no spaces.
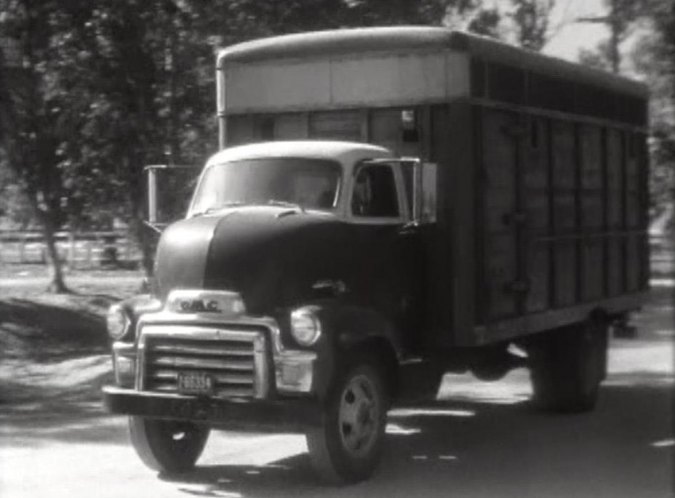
{"x":200,"y":306}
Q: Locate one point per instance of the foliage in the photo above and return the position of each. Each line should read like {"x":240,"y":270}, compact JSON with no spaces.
{"x":599,"y":57}
{"x":654,"y":58}
{"x":621,"y":19}
{"x":531,"y":21}
{"x":486,"y":22}
{"x":36,"y":115}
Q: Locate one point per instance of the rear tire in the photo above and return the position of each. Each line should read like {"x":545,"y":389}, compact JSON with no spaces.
{"x":346,"y":448}
{"x":167,"y":446}
{"x":567,"y":367}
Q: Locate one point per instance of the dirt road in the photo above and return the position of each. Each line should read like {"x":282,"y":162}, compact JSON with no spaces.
{"x":478,"y":440}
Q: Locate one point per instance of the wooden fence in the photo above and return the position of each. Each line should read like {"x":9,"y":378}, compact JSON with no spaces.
{"x":74,"y":248}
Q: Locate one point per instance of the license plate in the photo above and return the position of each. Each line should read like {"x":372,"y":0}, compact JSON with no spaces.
{"x":195,"y":383}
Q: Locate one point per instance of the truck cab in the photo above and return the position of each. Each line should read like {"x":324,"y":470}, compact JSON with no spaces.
{"x":296,"y":264}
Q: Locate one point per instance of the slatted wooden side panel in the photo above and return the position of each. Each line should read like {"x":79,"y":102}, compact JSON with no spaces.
{"x":336,"y":125}
{"x":564,"y":213}
{"x":499,"y":204}
{"x":385,"y":127}
{"x":592,"y":218}
{"x":240,"y":130}
{"x":535,"y":197}
{"x":328,"y":125}
{"x":293,"y":126}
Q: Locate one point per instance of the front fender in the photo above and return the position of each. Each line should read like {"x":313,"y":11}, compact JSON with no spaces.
{"x":347,"y":331}
{"x":136,"y":306}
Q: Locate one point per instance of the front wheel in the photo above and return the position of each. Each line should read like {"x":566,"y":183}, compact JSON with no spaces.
{"x":348,"y":444}
{"x":567,"y":367}
{"x":167,"y":446}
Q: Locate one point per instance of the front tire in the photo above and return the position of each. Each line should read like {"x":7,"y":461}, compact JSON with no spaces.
{"x":567,"y":367}
{"x":167,"y":446}
{"x":347,"y":446}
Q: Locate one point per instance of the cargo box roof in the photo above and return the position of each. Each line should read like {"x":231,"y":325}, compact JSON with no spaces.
{"x":415,"y":38}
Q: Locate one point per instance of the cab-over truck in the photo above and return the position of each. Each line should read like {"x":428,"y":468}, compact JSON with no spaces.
{"x":388,"y":204}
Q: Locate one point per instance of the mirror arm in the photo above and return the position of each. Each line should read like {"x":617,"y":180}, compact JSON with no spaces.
{"x":157,"y":227}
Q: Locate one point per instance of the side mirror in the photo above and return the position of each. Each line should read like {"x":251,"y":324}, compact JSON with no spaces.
{"x":173,"y":185}
{"x":424,"y":208}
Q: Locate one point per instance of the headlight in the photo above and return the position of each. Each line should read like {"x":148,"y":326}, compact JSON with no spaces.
{"x":118,"y":322}
{"x":305,"y":325}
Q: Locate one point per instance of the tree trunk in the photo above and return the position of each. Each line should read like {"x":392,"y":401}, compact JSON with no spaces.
{"x":54,"y":263}
{"x":146,"y":240}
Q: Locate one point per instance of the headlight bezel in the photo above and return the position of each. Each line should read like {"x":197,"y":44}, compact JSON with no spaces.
{"x":118,"y":322}
{"x":305,"y":325}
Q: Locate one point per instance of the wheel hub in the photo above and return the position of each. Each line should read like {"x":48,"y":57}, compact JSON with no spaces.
{"x":358,"y":416}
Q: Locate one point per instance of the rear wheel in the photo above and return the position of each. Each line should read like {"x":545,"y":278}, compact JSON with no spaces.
{"x":567,"y":367}
{"x":167,"y":446}
{"x":348,"y":444}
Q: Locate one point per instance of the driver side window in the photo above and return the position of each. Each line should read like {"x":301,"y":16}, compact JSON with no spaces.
{"x":375,"y":192}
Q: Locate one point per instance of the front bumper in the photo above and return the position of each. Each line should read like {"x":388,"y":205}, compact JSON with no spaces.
{"x":290,"y":414}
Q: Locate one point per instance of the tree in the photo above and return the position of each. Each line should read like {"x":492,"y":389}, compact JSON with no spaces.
{"x":651,"y":23}
{"x":33,"y":117}
{"x":654,"y":59}
{"x":531,"y":21}
{"x":621,"y":16}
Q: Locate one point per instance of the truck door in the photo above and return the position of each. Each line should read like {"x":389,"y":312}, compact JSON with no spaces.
{"x":379,"y":206}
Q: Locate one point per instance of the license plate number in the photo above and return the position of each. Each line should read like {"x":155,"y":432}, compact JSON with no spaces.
{"x":195,"y":383}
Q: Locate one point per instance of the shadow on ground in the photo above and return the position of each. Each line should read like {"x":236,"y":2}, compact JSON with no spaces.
{"x":481,"y":449}
{"x":66,"y":326}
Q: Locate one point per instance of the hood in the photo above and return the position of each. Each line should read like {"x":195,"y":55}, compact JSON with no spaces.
{"x":272,"y":256}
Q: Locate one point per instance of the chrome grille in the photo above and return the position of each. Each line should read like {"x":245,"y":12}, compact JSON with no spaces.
{"x":235,"y":362}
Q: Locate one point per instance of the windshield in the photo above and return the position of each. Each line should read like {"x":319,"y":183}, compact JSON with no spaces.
{"x":308,"y":183}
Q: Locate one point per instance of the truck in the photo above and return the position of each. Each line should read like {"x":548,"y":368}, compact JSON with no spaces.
{"x":387,"y":205}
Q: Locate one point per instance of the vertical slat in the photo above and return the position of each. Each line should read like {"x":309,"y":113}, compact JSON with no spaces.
{"x":564,"y":215}
{"x":501,"y":251}
{"x":624,"y":137}
{"x":592,"y":215}
{"x":536,"y":194}
{"x":578,"y":198}
{"x":605,"y":216}
{"x":614,"y":222}
{"x":632,"y":219}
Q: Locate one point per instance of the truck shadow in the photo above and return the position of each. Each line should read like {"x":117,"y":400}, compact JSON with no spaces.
{"x":491,"y":449}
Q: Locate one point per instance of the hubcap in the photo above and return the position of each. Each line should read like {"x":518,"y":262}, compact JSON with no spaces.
{"x":359,"y":416}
